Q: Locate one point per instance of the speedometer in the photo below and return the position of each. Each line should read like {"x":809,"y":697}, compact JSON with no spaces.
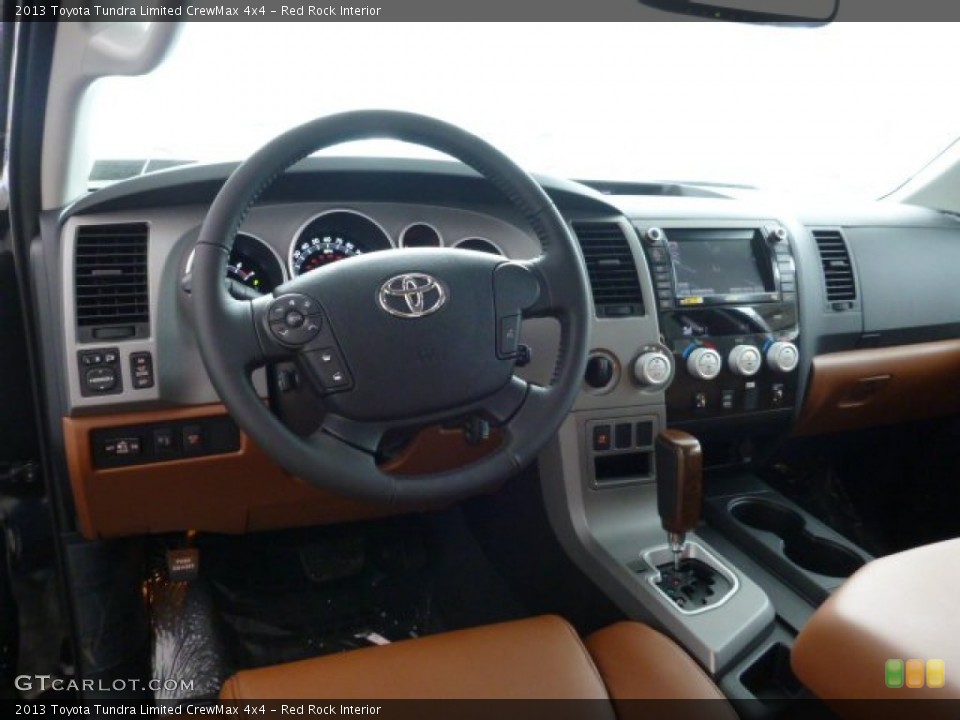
{"x":320,"y":250}
{"x":332,"y":236}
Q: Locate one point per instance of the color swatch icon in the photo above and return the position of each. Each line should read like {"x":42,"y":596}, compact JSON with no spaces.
{"x":914,"y":673}
{"x":936,"y":674}
{"x":894,"y":673}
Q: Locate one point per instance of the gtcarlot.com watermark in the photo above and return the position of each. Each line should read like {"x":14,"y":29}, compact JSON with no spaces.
{"x":44,"y":683}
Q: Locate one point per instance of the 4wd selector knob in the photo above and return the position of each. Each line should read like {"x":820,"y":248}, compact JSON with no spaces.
{"x":704,"y":363}
{"x":783,"y":357}
{"x":745,"y":360}
{"x":653,"y":369}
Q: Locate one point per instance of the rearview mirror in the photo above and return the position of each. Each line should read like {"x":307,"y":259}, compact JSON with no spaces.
{"x":806,"y":12}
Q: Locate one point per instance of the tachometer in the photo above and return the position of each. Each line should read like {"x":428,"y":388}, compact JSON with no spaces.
{"x":311,"y":253}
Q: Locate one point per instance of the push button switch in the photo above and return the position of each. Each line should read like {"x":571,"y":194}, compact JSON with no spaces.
{"x":330,"y":369}
{"x":294,"y":319}
{"x":601,"y":438}
{"x":141,"y":370}
{"x":121,"y":447}
{"x":192,"y":439}
{"x":509,"y":338}
{"x":163,"y":443}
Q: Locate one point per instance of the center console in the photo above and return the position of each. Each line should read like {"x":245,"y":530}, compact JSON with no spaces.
{"x":727,"y":306}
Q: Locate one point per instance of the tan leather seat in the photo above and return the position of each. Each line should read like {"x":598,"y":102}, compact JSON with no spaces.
{"x":539,"y":658}
{"x":899,"y":607}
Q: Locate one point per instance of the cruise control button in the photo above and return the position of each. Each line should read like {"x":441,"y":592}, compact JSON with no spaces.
{"x":509,"y":335}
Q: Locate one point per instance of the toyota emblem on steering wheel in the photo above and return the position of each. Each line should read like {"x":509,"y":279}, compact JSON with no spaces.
{"x":412,"y":295}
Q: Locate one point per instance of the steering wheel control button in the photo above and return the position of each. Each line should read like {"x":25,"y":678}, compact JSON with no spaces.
{"x":704,"y":363}
{"x":294,"y":319}
{"x":783,"y":357}
{"x":745,"y":360}
{"x":329,"y":369}
{"x":284,"y":304}
{"x":141,"y":370}
{"x":509,"y":339}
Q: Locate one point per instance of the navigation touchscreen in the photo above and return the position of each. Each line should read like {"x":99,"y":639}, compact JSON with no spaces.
{"x":706,"y":265}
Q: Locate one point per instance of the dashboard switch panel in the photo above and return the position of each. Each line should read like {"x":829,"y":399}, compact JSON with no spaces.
{"x":161,"y":442}
{"x":620,"y":450}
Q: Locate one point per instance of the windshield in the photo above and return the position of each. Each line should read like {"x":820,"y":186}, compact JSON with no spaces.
{"x":849,"y":109}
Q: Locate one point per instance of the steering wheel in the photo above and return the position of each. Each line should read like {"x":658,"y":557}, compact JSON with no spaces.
{"x":395,"y":339}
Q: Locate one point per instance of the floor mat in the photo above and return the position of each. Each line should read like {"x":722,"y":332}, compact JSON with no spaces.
{"x":295,"y":594}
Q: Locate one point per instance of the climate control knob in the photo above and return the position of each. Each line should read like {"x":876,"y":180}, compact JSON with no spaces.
{"x":704,"y":363}
{"x":745,"y":360}
{"x":653,"y":369}
{"x":783,"y":357}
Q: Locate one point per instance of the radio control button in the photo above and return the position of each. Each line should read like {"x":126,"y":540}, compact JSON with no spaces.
{"x":704,"y":363}
{"x":653,"y":236}
{"x":783,"y":357}
{"x":745,"y":360}
{"x":653,"y":369}
{"x":777,"y":235}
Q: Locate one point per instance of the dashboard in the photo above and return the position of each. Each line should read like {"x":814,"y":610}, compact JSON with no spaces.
{"x":256,"y":267}
{"x":716,"y":313}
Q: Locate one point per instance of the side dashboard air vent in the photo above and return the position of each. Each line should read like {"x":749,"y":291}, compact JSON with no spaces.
{"x":110,"y":280}
{"x":838,"y":275}
{"x":612,"y":269}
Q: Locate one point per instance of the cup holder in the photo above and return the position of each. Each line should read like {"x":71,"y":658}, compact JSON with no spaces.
{"x":800,"y":546}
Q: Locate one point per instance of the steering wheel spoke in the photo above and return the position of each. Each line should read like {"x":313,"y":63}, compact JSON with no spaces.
{"x":506,"y":402}
{"x":545,"y":305}
{"x":362,"y":436}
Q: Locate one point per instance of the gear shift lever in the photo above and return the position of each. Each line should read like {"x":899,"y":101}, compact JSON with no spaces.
{"x":679,"y":486}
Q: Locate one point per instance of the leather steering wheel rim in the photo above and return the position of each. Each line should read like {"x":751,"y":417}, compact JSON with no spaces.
{"x":233,"y":341}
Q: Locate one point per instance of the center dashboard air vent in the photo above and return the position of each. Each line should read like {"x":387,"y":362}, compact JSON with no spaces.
{"x":612,"y":269}
{"x":110,"y":281}
{"x":838,"y":277}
